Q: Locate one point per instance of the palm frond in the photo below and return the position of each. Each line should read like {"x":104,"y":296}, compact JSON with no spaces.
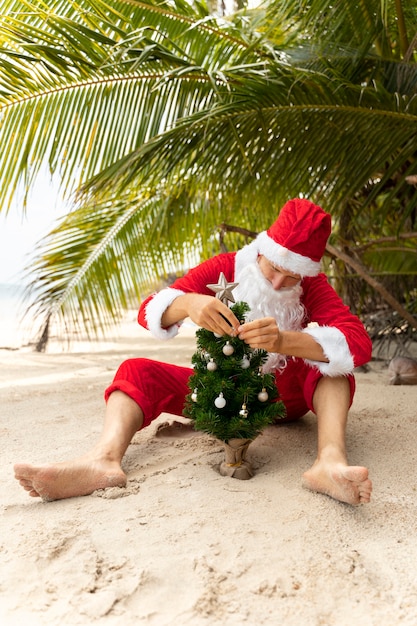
{"x":103,"y":261}
{"x":239,"y":146}
{"x":81,"y":98}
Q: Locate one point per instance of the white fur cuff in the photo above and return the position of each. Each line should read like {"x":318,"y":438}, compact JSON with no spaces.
{"x":335,"y":348}
{"x":155,"y":310}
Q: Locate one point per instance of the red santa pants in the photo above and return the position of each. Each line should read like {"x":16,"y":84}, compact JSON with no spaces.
{"x":161,"y":387}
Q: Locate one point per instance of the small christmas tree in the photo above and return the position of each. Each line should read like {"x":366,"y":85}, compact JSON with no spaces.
{"x":230,"y":397}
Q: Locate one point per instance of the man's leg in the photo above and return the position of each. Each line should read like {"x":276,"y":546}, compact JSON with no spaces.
{"x":98,"y":468}
{"x":331,"y":473}
{"x":141,"y":390}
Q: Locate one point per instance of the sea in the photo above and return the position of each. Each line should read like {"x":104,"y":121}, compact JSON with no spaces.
{"x":15,"y":328}
{"x":19,"y":330}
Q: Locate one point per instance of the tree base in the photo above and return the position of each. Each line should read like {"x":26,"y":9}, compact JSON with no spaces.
{"x":235,"y":463}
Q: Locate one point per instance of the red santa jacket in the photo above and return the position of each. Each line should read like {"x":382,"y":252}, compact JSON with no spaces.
{"x":341,"y":334}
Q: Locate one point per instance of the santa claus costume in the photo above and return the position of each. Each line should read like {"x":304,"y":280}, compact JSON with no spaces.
{"x":296,"y":243}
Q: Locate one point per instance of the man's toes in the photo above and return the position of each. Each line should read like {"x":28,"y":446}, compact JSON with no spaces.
{"x":25,"y":482}
{"x":365,"y":491}
{"x":20,"y":470}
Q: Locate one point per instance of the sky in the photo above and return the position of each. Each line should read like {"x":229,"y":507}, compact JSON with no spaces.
{"x":20,"y":232}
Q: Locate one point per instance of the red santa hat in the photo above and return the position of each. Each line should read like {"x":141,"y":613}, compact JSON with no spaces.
{"x":296,"y":241}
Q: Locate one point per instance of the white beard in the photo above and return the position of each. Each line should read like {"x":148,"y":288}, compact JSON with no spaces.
{"x":284,"y":305}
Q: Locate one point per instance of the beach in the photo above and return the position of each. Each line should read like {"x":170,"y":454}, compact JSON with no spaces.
{"x":182,"y":544}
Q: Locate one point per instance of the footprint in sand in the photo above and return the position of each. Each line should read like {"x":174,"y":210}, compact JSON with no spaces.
{"x":175,"y":429}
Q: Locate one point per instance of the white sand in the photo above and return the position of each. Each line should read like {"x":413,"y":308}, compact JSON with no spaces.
{"x":183,"y":545}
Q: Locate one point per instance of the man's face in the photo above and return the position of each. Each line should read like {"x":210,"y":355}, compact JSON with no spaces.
{"x":277,"y":276}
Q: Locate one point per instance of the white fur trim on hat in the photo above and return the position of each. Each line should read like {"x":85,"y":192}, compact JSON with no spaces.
{"x":155,"y":310}
{"x":287,"y":259}
{"x":335,"y":348}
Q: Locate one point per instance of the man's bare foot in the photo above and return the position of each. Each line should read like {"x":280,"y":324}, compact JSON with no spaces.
{"x":66,"y":480}
{"x":346,"y":483}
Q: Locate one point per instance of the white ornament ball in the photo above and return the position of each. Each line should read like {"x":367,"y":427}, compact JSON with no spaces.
{"x":211,"y":366}
{"x":263,"y":395}
{"x":220,"y":402}
{"x":194,"y":395}
{"x":228,"y":349}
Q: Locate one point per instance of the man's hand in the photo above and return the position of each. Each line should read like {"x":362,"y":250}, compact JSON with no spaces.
{"x":212,"y":314}
{"x":206,"y":311}
{"x":265,"y":334}
{"x":262,"y":334}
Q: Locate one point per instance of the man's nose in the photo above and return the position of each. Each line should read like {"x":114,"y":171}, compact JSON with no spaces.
{"x":278,"y":281}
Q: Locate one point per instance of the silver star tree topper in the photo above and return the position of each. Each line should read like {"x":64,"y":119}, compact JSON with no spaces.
{"x":223,"y":289}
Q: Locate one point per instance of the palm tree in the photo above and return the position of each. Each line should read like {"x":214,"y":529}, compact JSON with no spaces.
{"x":164,"y":121}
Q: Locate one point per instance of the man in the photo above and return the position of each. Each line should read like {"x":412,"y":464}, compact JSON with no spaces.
{"x":313,"y":340}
